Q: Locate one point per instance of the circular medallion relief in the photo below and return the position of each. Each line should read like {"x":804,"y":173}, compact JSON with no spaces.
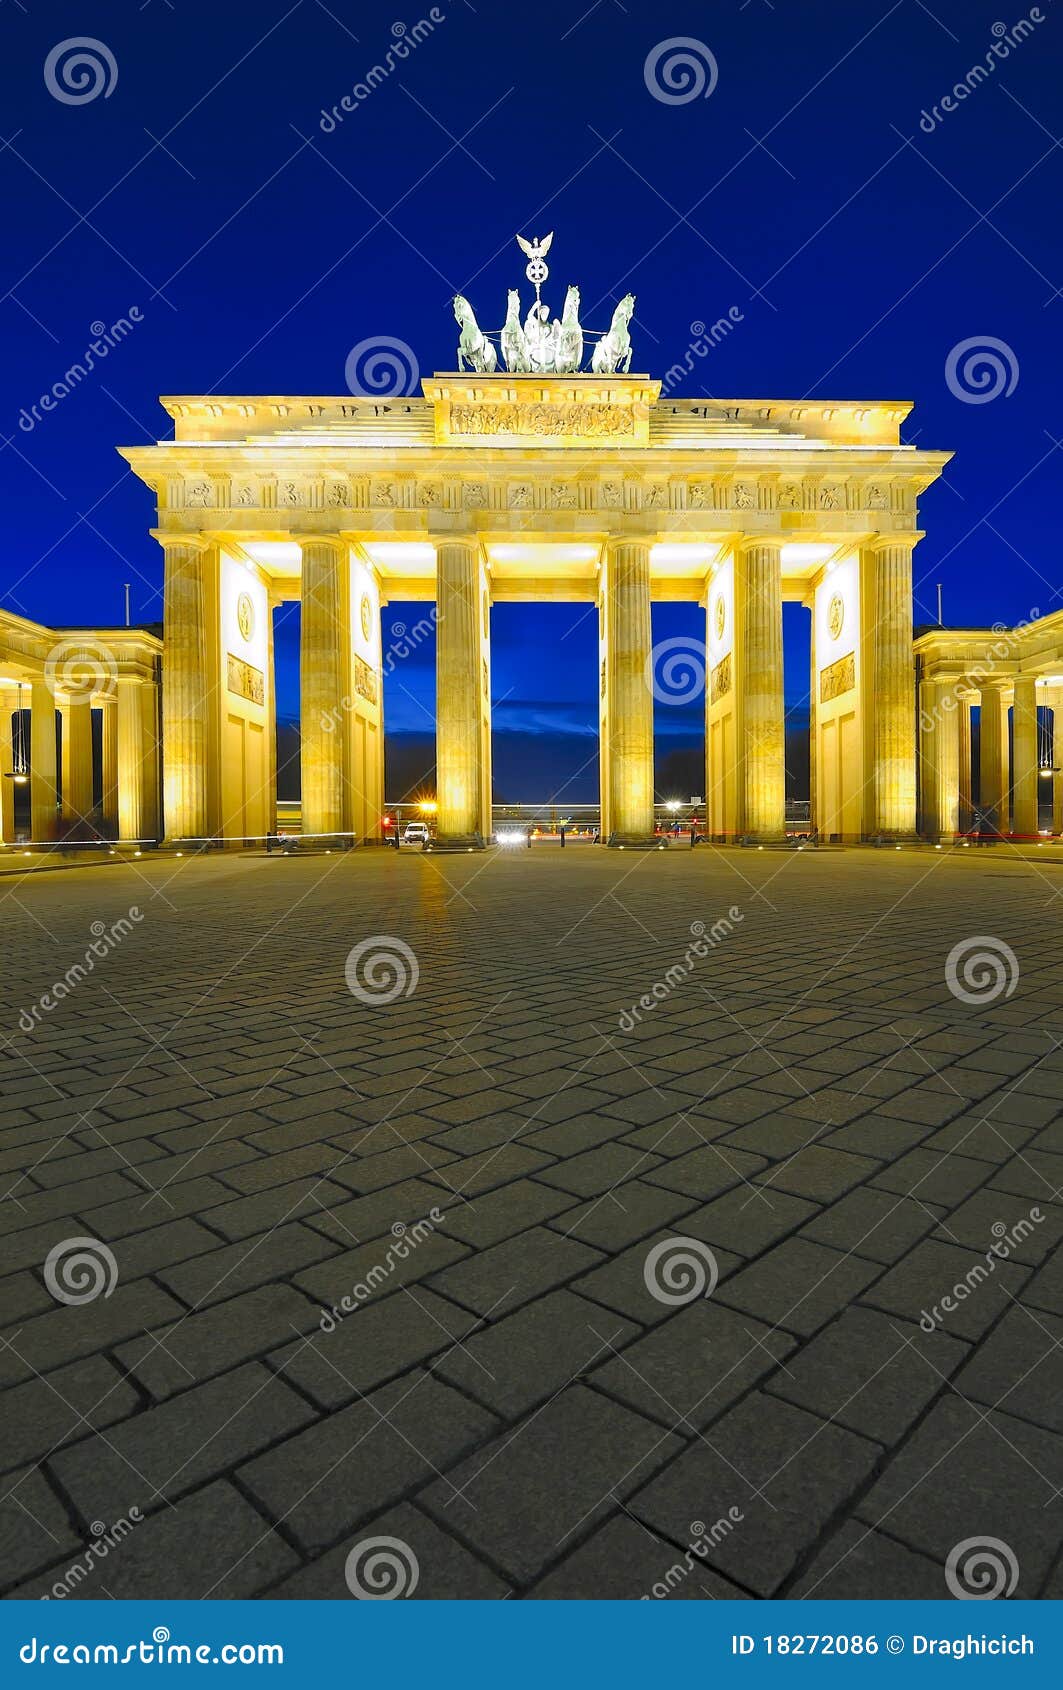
{"x":720,"y":616}
{"x":835,"y":616}
{"x":245,"y":615}
{"x":366,"y":614}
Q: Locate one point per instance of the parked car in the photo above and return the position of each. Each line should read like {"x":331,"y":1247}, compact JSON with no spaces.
{"x":415,"y":833}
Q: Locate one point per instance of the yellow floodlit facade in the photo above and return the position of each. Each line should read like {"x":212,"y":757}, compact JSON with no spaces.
{"x":493,"y":488}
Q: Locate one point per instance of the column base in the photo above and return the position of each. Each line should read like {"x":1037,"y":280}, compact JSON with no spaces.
{"x":456,"y":842}
{"x":882,"y":840}
{"x":637,"y":842}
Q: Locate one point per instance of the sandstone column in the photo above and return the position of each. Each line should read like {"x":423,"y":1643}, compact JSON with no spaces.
{"x":992,"y":758}
{"x":761,"y":748}
{"x":965,"y":809}
{"x":7,"y":767}
{"x":109,"y":757}
{"x":1024,"y":749}
{"x":44,"y":794}
{"x":893,"y":734}
{"x":324,"y":665}
{"x":187,"y":683}
{"x":463,"y":794}
{"x":939,"y":759}
{"x":628,"y":701}
{"x":134,"y":751}
{"x":77,"y":797}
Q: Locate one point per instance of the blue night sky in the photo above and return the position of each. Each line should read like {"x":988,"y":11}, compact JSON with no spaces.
{"x":259,"y":249}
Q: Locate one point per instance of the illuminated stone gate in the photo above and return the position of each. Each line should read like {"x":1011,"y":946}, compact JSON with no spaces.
{"x":499,"y":488}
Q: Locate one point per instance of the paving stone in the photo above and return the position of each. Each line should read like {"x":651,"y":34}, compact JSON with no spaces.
{"x":881,"y":1226}
{"x":472,"y":1175}
{"x":375,"y":1213}
{"x":570,"y":1138}
{"x":1035,"y":1174}
{"x":359,"y":1351}
{"x":374,"y":1172}
{"x":1045,"y":1289}
{"x":818,"y":1174}
{"x":34,"y":1529}
{"x":520,"y":1361}
{"x":857,"y":1560}
{"x":158,"y":1455}
{"x":216,"y":1338}
{"x":215,"y":1545}
{"x":299,"y":1200}
{"x":496,"y":1281}
{"x":783,"y":1472}
{"x":1019,"y":1368}
{"x":46,"y":1411}
{"x":624,"y":1284}
{"x":797,"y":1285}
{"x":445,"y":1569}
{"x":706,"y":1172}
{"x":748,"y":1219}
{"x":620,"y":1216}
{"x":686,"y":1372}
{"x":486,"y":1220}
{"x":520,"y":1498}
{"x":625,"y":1561}
{"x":599,"y":1170}
{"x":944,"y":1179}
{"x":371,"y":1272}
{"x":921,"y":1287}
{"x":65,"y":1333}
{"x":963,"y":1474}
{"x":361,"y":1459}
{"x":871,"y":1372}
{"x":1020,"y":1230}
{"x":224,"y":1272}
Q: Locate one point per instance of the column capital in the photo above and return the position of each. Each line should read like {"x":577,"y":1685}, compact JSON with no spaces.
{"x":747,"y":542}
{"x":908,"y":538}
{"x":168,"y":540}
{"x":303,"y":540}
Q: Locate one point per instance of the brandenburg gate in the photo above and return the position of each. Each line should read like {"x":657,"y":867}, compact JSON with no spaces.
{"x":538,"y":482}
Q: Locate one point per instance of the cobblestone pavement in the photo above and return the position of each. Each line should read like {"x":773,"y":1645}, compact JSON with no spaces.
{"x":850,"y":1368}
